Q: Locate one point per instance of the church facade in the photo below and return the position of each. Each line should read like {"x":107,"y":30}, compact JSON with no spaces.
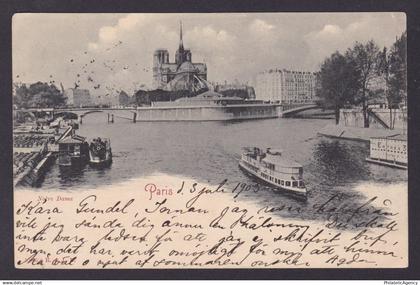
{"x":182,"y":74}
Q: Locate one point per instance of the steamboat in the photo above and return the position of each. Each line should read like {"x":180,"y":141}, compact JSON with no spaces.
{"x":272,"y":168}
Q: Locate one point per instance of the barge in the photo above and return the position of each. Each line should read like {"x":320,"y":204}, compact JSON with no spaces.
{"x":73,"y":150}
{"x":208,"y":106}
{"x":389,"y":151}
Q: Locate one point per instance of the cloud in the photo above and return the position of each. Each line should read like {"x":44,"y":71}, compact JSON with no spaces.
{"x":110,"y":33}
{"x":208,"y":40}
{"x":232,"y":45}
{"x":130,"y":21}
{"x":259,"y":27}
{"x":93,"y":46}
{"x":330,"y":30}
{"x":331,"y":37}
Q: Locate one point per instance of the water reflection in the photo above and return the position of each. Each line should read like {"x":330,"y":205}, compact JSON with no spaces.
{"x":338,"y":163}
{"x":69,"y":175}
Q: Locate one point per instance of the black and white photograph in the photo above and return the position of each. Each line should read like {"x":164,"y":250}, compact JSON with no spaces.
{"x":210,"y":140}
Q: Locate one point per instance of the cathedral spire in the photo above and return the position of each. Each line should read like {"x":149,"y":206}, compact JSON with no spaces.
{"x":181,"y":44}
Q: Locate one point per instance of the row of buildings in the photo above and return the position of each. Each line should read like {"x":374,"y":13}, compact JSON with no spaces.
{"x":276,"y":85}
{"x":77,"y":97}
{"x":286,"y":86}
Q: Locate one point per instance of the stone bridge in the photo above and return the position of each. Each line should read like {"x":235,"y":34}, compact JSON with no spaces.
{"x":288,"y":110}
{"x":129,"y":114}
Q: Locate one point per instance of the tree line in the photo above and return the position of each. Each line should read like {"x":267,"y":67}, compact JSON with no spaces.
{"x":364,"y":73}
{"x":44,"y":95}
{"x":38,"y":95}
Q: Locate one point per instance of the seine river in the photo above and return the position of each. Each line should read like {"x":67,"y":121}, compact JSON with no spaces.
{"x":208,"y":152}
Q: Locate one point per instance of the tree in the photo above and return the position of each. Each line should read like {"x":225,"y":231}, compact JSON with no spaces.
{"x":398,"y":69}
{"x":338,"y":83}
{"x":393,"y":68}
{"x":123,"y":98}
{"x":22,"y":95}
{"x":38,"y":95}
{"x":365,"y":59}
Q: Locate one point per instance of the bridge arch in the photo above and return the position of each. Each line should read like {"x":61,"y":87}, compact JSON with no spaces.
{"x":128,"y":114}
{"x":90,"y":112}
{"x":292,"y":110}
{"x":66,"y":115}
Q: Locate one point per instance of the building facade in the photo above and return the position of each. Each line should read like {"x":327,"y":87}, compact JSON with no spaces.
{"x":235,"y":87}
{"x":286,"y":86}
{"x":78,"y":97}
{"x":182,"y":74}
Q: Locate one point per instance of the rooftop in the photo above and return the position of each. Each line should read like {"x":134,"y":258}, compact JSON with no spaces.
{"x":278,"y":160}
{"x":73,"y":140}
{"x":397,"y":137}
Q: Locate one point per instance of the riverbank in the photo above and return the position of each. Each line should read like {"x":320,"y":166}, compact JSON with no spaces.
{"x":354,"y":133}
{"x":34,"y":169}
{"x":34,"y":152}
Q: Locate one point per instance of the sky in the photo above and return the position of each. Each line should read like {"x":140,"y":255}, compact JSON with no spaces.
{"x":110,"y":52}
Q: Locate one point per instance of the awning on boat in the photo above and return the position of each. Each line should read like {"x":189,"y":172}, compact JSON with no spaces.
{"x":281,"y":161}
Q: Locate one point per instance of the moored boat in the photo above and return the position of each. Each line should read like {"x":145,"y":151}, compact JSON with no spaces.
{"x":72,"y":151}
{"x":100,"y":152}
{"x":274,"y":169}
{"x":389,"y":151}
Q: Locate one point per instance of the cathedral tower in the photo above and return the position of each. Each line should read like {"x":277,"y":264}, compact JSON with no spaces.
{"x":182,"y":54}
{"x":179,"y":73}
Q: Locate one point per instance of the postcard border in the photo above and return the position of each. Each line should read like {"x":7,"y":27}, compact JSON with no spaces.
{"x":9,"y":7}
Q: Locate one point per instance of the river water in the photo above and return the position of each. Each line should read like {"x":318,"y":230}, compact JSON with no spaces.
{"x":208,"y":152}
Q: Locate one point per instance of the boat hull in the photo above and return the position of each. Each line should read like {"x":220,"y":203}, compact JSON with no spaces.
{"x":69,"y":161}
{"x":207,"y":113}
{"x":300,"y":194}
{"x":387,"y":163}
{"x":96,"y":161}
{"x":297,"y":194}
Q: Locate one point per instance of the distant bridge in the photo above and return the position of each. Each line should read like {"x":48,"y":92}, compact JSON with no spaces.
{"x":288,"y":110}
{"x":122,"y":113}
{"x":130,"y":113}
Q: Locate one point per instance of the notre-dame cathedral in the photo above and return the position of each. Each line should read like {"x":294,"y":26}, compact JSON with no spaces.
{"x":180,"y":75}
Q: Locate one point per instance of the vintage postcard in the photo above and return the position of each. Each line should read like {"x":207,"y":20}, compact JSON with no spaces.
{"x":207,"y":140}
